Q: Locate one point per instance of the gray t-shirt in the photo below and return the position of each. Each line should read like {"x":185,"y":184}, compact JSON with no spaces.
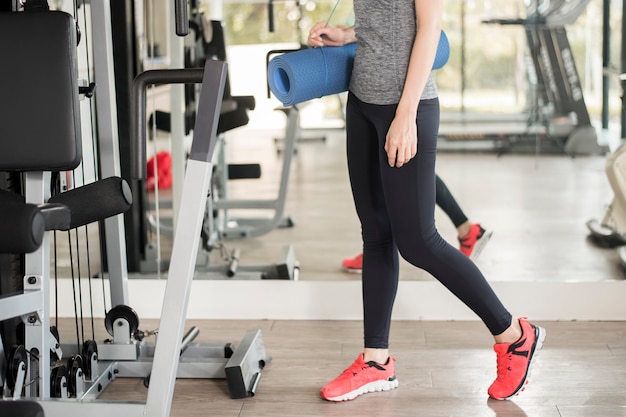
{"x":385,"y":30}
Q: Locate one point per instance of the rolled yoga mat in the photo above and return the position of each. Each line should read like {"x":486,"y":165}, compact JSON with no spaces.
{"x":311,"y":73}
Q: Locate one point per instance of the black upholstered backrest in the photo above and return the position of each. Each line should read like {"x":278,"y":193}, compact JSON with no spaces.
{"x":39,"y":106}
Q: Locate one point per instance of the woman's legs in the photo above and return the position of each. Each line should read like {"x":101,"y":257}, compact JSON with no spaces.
{"x":380,"y":256}
{"x":396,"y":206}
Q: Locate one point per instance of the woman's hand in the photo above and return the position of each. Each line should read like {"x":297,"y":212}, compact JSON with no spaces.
{"x":401,"y":141}
{"x":323,"y":35}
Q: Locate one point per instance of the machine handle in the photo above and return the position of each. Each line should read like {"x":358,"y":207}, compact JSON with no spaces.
{"x":212,"y":77}
{"x":181,"y":16}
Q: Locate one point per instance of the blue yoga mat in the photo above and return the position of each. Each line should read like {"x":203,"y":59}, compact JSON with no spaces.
{"x":311,"y":73}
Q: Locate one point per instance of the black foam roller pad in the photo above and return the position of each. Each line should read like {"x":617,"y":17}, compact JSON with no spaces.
{"x":232,"y":119}
{"x":56,"y":216}
{"x":21,"y":228}
{"x":21,"y":409}
{"x":246,"y":102}
{"x":96,"y":201}
{"x":244,"y":171}
{"x":6,"y":196}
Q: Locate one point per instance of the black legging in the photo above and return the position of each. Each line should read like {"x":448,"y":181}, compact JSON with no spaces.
{"x":396,"y":209}
{"x":445,"y":200}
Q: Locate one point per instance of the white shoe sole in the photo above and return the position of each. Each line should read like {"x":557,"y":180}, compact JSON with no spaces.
{"x":480,"y":244}
{"x":375,"y":386}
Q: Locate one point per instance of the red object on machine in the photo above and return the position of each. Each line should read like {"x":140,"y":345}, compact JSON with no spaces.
{"x":163,"y":171}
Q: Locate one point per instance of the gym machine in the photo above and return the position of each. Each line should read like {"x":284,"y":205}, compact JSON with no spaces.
{"x":219,"y":226}
{"x":610,"y":232}
{"x":557,"y":109}
{"x":40,"y":369}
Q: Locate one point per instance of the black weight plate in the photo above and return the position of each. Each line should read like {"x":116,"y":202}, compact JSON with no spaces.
{"x":16,"y":357}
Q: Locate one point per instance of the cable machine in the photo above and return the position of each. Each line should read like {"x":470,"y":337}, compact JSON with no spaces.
{"x":38,"y":367}
{"x":208,"y":41}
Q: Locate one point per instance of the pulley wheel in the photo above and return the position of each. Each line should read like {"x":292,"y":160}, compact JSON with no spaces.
{"x":89,"y":348}
{"x":121,"y":312}
{"x":16,"y":357}
{"x":74,"y":371}
{"x":58,"y":379}
{"x":55,"y":332}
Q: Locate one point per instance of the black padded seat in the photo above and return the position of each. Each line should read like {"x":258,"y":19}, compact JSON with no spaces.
{"x":39,"y":110}
{"x":40,"y":130}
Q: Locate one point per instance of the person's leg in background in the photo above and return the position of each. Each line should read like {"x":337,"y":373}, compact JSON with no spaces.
{"x":472,"y":236}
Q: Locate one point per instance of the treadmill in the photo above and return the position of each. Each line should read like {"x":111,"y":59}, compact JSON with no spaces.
{"x":558,"y":116}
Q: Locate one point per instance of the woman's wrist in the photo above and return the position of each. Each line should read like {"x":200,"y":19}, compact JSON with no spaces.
{"x":348,"y":35}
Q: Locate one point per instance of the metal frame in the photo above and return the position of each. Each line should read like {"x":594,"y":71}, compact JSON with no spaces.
{"x":109,"y":150}
{"x":195,"y":190}
{"x":34,"y":305}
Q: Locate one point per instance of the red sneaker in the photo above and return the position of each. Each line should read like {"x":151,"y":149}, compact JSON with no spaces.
{"x":361,"y":378}
{"x":353,"y":265}
{"x":472,"y":244}
{"x":514,"y":361}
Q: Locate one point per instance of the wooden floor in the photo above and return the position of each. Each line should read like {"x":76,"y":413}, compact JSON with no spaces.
{"x":444,"y":369}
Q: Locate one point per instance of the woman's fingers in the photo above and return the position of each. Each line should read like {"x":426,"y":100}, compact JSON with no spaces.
{"x":400,"y":154}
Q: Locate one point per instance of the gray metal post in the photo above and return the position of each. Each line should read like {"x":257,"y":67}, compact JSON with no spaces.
{"x":177,"y":113}
{"x":36,"y":281}
{"x":622,"y":76}
{"x":109,"y":145}
{"x":186,"y":241}
{"x":606,"y":61}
